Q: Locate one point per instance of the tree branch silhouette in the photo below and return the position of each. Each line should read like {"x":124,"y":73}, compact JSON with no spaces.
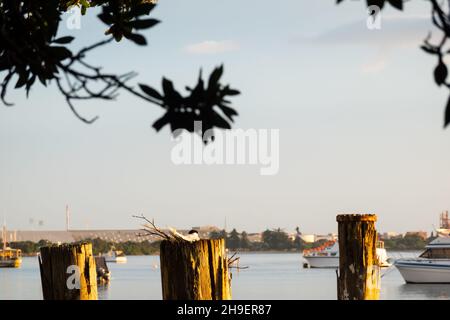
{"x":441,"y":20}
{"x":30,"y":51}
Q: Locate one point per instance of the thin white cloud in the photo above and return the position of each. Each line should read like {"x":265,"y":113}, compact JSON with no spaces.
{"x":396,"y":32}
{"x":211,"y":47}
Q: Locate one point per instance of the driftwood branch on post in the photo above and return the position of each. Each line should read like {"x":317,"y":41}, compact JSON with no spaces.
{"x":192,"y":268}
{"x":68,"y":272}
{"x":359,"y":271}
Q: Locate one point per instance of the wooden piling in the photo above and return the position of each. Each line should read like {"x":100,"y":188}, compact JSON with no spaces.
{"x":359,"y":271}
{"x":60,"y":266}
{"x":195,"y":271}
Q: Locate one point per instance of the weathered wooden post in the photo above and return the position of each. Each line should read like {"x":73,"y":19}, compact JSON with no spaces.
{"x":68,"y":272}
{"x":194,"y":270}
{"x":359,"y":271}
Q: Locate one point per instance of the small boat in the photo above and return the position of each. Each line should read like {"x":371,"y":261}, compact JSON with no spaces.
{"x":9,"y":258}
{"x":432,"y":266}
{"x":116,"y":256}
{"x":103,"y":273}
{"x":327,"y":255}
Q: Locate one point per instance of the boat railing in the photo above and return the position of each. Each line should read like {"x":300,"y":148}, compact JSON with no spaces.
{"x":320,"y":248}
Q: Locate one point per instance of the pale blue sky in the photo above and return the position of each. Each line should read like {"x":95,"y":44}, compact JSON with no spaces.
{"x":360,"y":124}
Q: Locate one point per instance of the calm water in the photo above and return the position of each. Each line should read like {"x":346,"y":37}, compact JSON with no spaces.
{"x":270,"y":276}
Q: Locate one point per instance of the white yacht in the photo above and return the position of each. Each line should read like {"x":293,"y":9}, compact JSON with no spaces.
{"x":115,"y":256}
{"x":432,"y":266}
{"x":327,"y":255}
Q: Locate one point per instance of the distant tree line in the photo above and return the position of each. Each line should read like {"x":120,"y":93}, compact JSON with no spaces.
{"x":277,"y":240}
{"x":29,"y":247}
{"x":130,"y":248}
{"x":408,"y":242}
{"x":271,"y":240}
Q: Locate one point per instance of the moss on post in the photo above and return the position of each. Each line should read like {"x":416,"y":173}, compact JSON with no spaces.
{"x":68,"y":272}
{"x":194,"y":271}
{"x":359,"y":271}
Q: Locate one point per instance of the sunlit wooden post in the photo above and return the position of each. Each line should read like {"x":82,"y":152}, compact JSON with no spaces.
{"x":68,"y":272}
{"x":195,"y":271}
{"x":359,"y":271}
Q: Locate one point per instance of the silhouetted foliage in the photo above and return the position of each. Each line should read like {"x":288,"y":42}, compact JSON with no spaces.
{"x":277,"y":240}
{"x":30,"y":51}
{"x":131,"y":248}
{"x":441,"y":20}
{"x":409,"y":242}
{"x":380,"y":3}
{"x":29,"y":247}
{"x":199,"y":105}
{"x":245,"y":241}
{"x":234,"y":240}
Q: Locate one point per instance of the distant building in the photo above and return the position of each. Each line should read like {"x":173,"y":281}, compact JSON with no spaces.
{"x":421,"y":234}
{"x":254,"y":237}
{"x":308,"y":238}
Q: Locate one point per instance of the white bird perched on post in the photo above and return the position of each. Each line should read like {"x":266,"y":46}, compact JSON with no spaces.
{"x":191,"y":237}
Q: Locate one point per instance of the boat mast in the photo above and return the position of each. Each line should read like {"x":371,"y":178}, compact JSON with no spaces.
{"x":4,"y":235}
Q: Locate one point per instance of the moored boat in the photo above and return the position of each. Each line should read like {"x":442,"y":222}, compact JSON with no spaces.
{"x":116,"y":256}
{"x":327,"y":255}
{"x":9,"y":258}
{"x":432,"y":266}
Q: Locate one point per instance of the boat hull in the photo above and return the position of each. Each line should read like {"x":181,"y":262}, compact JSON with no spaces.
{"x":13,"y":263}
{"x":322,"y":262}
{"x":116,"y":259}
{"x":413,"y":272}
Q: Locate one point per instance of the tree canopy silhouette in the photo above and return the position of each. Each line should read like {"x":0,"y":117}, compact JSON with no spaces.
{"x":30,"y":50}
{"x":441,"y":20}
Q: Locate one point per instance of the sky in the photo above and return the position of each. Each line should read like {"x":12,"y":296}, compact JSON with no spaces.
{"x":359,"y":116}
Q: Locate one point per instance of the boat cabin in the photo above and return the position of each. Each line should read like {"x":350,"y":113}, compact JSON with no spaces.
{"x":8,"y":253}
{"x":437,"y":249}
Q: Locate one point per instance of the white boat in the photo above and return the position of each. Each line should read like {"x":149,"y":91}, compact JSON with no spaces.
{"x":9,"y":258}
{"x":432,"y":266}
{"x":116,"y":256}
{"x":327,"y":255}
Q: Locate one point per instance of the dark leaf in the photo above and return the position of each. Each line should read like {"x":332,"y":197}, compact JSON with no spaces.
{"x":215,"y":77}
{"x":378,"y":3}
{"x":23,"y":77}
{"x":106,"y":18}
{"x":220,"y":122}
{"x":230,"y":92}
{"x":137,"y":38}
{"x":447,"y":114}
{"x":396,"y":4}
{"x":229,"y":112}
{"x":143,"y":24}
{"x":63,"y":40}
{"x":61,"y":53}
{"x":440,"y":73}
{"x":161,"y":122}
{"x":151,"y":92}
{"x":167,"y":86}
{"x":141,"y":10}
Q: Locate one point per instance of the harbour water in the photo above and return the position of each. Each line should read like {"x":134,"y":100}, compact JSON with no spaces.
{"x":269,"y":276}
